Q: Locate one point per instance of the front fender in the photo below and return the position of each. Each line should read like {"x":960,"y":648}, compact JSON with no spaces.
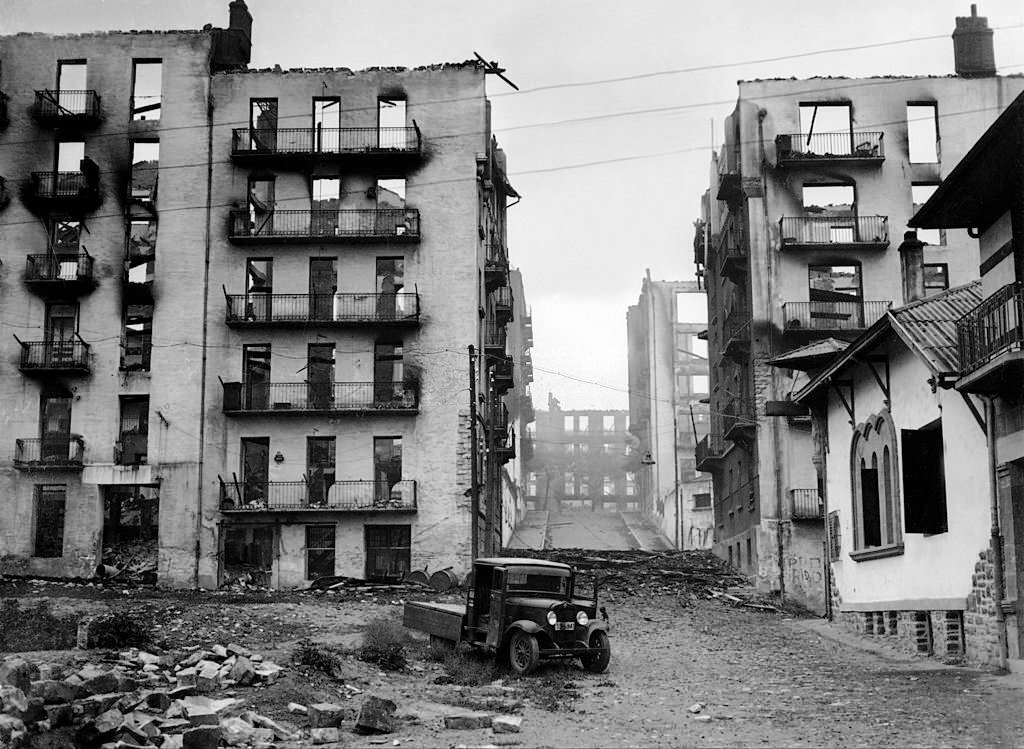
{"x":523,"y":625}
{"x":595,"y":626}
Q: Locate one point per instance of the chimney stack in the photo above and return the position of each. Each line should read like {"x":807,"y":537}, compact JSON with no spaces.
{"x":912,"y":267}
{"x":973,"y":54}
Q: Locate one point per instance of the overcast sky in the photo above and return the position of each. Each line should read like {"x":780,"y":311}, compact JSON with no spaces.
{"x":584,"y":235}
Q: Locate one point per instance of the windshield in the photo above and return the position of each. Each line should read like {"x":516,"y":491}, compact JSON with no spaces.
{"x":538,"y":580}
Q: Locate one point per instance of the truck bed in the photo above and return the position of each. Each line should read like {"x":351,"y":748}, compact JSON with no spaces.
{"x":439,"y":619}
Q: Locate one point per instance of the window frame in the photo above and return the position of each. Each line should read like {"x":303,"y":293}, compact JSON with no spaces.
{"x":874,"y":449}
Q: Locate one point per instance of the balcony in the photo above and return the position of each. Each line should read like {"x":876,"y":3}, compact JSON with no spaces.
{"x":502,"y":368}
{"x":848,"y":147}
{"x":841,"y":233}
{"x":320,"y":398}
{"x":309,"y":145}
{"x":494,"y":341}
{"x":67,"y":108}
{"x":496,"y":266}
{"x":60,"y":274}
{"x":55,"y":357}
{"x":830,"y":318}
{"x":731,"y":250}
{"x":736,"y":332}
{"x":327,"y":310}
{"x":806,"y":504}
{"x":709,"y":451}
{"x":990,"y":341}
{"x":49,"y":452}
{"x":503,"y":305}
{"x":70,"y":192}
{"x":738,"y":419}
{"x":352,"y":225}
{"x":325,"y":496}
{"x":131,"y":449}
{"x":505,"y":446}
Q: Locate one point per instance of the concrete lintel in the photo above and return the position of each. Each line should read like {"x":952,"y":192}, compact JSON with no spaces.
{"x":952,"y":603}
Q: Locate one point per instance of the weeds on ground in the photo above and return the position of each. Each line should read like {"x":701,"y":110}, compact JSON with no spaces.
{"x":322,"y":658}
{"x":551,"y":687}
{"x":385,"y":644}
{"x":121,"y":630}
{"x":35,"y":628}
{"x":469,"y":668}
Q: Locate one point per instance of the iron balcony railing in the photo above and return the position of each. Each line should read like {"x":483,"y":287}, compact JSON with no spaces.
{"x":298,"y":397}
{"x":318,"y":495}
{"x":70,"y":354}
{"x":59,"y":268}
{"x":993,"y":327}
{"x":498,"y":421}
{"x":806,"y":504}
{"x":502,"y":368}
{"x":850,"y":145}
{"x":730,"y":249}
{"x":494,"y":338}
{"x":737,"y":416}
{"x":49,"y":452}
{"x":840,"y":231}
{"x":832,"y":315}
{"x":339,"y":225}
{"x":711,"y":447}
{"x":67,"y":105}
{"x":503,"y":300}
{"x":315,"y":141}
{"x":63,"y":186}
{"x":736,"y":326}
{"x":271,"y":309}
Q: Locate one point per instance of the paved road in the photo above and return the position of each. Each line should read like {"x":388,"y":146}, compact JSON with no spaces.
{"x":587,"y":530}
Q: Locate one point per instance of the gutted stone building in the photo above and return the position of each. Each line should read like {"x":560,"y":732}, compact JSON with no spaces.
{"x":810,"y":194}
{"x":244,"y":325}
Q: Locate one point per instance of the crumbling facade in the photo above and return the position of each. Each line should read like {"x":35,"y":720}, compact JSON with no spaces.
{"x":809,"y":196}
{"x":251,"y":309}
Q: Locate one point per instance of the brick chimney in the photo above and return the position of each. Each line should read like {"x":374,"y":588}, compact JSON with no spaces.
{"x":912,"y":267}
{"x":973,"y":54}
{"x":240,"y":19}
{"x":233,"y":46}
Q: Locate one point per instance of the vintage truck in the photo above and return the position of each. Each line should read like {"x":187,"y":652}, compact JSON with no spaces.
{"x":521,"y":609}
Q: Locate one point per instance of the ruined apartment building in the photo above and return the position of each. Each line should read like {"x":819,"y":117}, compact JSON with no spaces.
{"x":810,"y":196}
{"x":260,"y":367}
{"x":668,"y":384}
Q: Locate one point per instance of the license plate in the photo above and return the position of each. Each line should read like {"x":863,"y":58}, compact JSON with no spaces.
{"x":565,"y":625}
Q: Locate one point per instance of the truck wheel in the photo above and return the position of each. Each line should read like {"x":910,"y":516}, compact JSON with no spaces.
{"x":523,"y":653}
{"x":598,"y":662}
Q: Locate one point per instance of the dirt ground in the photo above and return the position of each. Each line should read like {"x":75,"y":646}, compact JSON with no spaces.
{"x":761,"y":678}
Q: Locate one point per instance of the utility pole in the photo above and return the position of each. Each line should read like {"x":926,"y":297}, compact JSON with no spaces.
{"x":474,"y":487}
{"x":490,"y":464}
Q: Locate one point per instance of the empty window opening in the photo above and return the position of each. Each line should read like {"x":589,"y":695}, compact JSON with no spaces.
{"x":570,"y":485}
{"x":248,"y":553}
{"x":607,"y":486}
{"x":50,"y":501}
{"x":323,"y":283}
{"x":54,"y":428}
{"x":835,"y":296}
{"x":320,"y":470}
{"x":608,"y":422}
{"x":146,"y":88}
{"x":391,"y":123}
{"x":923,"y":132}
{"x":61,"y":325}
{"x":141,"y":261}
{"x":388,"y":552}
{"x":698,"y":347}
{"x":924,"y":484}
{"x":390,"y":280}
{"x":691,"y":307}
{"x":261,"y":205}
{"x":71,"y":82}
{"x":584,"y":486}
{"x":259,"y":286}
{"x":699,"y":383}
{"x":326,"y":202}
{"x":255,"y":459}
{"x":387,"y":471}
{"x":920,"y":192}
{"x":69,"y":155}
{"x":320,"y":540}
{"x":133,"y":435}
{"x":567,"y":423}
{"x":137,"y":346}
{"x":630,"y":484}
{"x":750,"y":553}
{"x":702,"y":500}
{"x":388,"y":375}
{"x":319,"y":376}
{"x":145,"y":168}
{"x":263,"y":124}
{"x":131,"y":521}
{"x":825,"y":129}
{"x":327,"y":124}
{"x":936,"y":278}
{"x":582,"y":423}
{"x":256,"y":375}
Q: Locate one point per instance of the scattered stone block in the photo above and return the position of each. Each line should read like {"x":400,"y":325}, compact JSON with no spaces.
{"x":108,"y":723}
{"x":219,"y":653}
{"x":181,"y":691}
{"x":235,"y":649}
{"x":34,"y":711}
{"x":327,"y":735}
{"x":54,"y":692}
{"x":208,"y":679}
{"x":104,"y":682}
{"x":325,"y":715}
{"x":158,"y":701}
{"x":13,"y":700}
{"x":203,"y":737}
{"x":236,"y":731}
{"x":376,"y":716}
{"x":467,"y":721}
{"x":193,"y":658}
{"x":18,"y":672}
{"x":9,"y":725}
{"x":296,"y":709}
{"x":202,"y":716}
{"x":242,"y":671}
{"x":60,"y":715}
{"x":281,"y":732}
{"x":175,"y":741}
{"x":174,"y":725}
{"x":702,"y":718}
{"x":696,"y":707}
{"x":506,"y":723}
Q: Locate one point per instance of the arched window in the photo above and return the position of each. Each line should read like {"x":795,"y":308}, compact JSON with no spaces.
{"x":876,"y":506}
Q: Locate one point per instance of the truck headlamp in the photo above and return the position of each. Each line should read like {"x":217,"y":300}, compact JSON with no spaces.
{"x":581,"y":618}
{"x":552,"y":618}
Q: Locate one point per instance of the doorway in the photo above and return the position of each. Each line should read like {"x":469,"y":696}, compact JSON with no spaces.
{"x":255,"y":470}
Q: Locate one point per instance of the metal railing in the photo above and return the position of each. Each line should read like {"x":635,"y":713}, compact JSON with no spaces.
{"x":55,"y":105}
{"x":59,"y":267}
{"x":503,"y":298}
{"x":368,"y":223}
{"x":136,"y":352}
{"x":993,"y":327}
{"x":340,"y":307}
{"x":309,"y":141}
{"x":320,"y":396}
{"x":832,"y":315}
{"x":738,"y":413}
{"x":806,"y":504}
{"x":834,"y":230}
{"x":352,"y":496}
{"x":62,"y":354}
{"x":855,"y":144}
{"x":711,"y":447}
{"x":736,"y":326}
{"x":730,"y":247}
{"x":63,"y":186}
{"x":43,"y":452}
{"x":495,"y":336}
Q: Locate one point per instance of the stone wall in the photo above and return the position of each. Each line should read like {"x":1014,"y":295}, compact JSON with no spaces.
{"x":980,"y":627}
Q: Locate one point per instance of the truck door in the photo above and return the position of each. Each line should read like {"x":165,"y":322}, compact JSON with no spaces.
{"x":496,"y":620}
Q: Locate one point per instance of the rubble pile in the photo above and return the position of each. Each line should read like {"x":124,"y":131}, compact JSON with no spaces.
{"x":634,"y":572}
{"x":129,"y":561}
{"x":140,"y":699}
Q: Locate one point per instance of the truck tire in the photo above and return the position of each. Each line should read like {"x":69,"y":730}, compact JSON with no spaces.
{"x":523,"y":653}
{"x":598,"y":662}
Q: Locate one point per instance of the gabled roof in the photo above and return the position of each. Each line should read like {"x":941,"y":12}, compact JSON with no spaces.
{"x":811,"y":356}
{"x":927,"y":327}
